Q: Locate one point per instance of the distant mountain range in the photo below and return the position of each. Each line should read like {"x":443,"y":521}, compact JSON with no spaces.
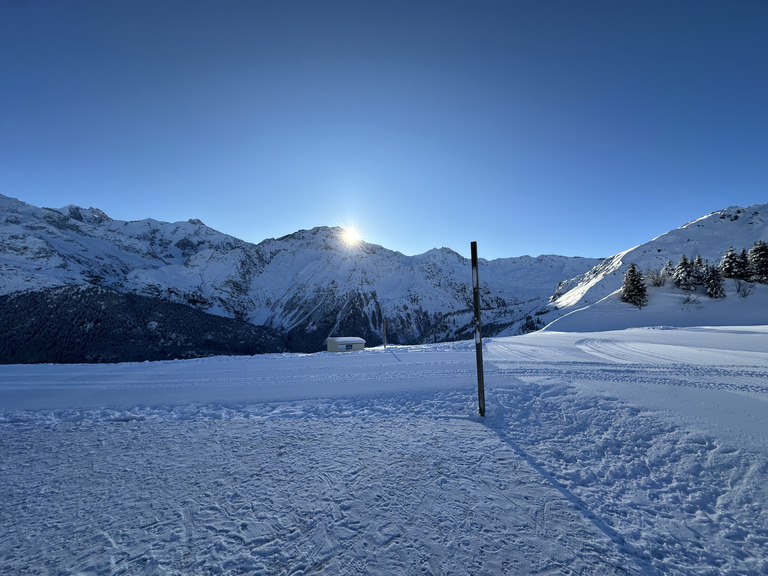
{"x":297,"y":290}
{"x":77,"y":286}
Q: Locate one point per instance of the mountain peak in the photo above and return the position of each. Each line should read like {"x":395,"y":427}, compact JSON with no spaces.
{"x":321,"y":232}
{"x":751,"y":215}
{"x":311,"y":283}
{"x":86,"y":215}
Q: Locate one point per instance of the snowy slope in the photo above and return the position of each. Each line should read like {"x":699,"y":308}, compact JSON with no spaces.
{"x":710,"y":237}
{"x":307,"y":285}
{"x":630,"y":452}
{"x":668,"y":306}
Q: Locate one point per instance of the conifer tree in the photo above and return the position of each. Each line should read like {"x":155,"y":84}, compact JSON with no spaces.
{"x":683,"y":275}
{"x":633,"y":290}
{"x":742,"y":267}
{"x":729,"y":264}
{"x":713,"y":282}
{"x":668,"y":269}
{"x":698,"y":270}
{"x":758,"y":262}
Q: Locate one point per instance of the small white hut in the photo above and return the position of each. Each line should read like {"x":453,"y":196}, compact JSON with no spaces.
{"x":344,"y":343}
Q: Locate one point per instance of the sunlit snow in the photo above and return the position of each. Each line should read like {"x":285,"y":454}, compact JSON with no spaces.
{"x":641,"y":451}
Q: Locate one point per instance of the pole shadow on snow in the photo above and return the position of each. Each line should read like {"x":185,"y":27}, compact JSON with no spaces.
{"x":496,"y":422}
{"x":393,"y":354}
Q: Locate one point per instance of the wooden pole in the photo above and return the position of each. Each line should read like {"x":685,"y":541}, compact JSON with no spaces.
{"x":478,"y":332}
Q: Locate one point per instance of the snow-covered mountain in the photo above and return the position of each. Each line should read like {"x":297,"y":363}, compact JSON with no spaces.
{"x":306,"y":286}
{"x":591,"y":300}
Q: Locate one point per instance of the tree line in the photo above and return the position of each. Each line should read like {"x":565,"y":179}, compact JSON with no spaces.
{"x":691,"y":273}
{"x":75,"y":324}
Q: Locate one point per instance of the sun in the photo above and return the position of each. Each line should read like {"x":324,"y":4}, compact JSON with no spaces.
{"x":350,"y":236}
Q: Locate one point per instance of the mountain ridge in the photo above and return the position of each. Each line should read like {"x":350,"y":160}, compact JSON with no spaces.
{"x":306,"y":285}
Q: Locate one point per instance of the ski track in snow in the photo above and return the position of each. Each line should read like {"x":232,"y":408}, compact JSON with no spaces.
{"x":635,"y":452}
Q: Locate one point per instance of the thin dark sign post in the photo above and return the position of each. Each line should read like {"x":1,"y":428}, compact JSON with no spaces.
{"x":478,"y":332}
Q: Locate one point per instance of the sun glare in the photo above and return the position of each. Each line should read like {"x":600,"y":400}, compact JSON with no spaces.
{"x":350,"y":237}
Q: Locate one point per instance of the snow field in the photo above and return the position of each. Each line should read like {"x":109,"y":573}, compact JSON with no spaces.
{"x":337,"y":488}
{"x":638,"y":452}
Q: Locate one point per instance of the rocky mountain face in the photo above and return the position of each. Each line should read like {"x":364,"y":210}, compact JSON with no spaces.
{"x":298,"y":289}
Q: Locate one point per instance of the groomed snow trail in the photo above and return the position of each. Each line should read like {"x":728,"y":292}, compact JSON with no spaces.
{"x":660,"y":435}
{"x":600,"y":454}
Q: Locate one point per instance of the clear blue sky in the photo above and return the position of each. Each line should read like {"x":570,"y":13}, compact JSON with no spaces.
{"x":533,"y":127}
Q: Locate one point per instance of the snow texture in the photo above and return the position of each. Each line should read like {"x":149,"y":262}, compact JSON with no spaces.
{"x":640,"y":451}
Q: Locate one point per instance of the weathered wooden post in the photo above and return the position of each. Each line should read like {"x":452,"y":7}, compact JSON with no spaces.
{"x":478,"y":332}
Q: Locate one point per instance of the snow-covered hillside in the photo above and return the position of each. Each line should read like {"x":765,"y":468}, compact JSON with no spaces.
{"x":669,"y":306}
{"x":639,"y":452}
{"x":307,"y":285}
{"x":310,"y":284}
{"x":709,"y":237}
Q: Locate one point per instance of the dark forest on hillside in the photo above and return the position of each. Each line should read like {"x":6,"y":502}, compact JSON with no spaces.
{"x":74,"y":324}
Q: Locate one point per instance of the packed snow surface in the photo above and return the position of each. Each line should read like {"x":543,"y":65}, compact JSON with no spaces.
{"x":640,"y":451}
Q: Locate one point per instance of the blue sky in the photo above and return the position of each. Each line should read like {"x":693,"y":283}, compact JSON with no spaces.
{"x":532,"y":127}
